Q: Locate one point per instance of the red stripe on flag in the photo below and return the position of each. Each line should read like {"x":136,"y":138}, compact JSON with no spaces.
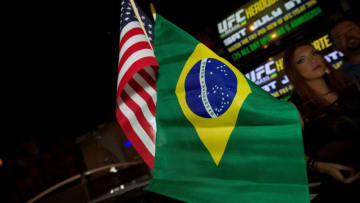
{"x":131,"y":50}
{"x":134,"y":139}
{"x":141,"y":92}
{"x":129,"y":34}
{"x":135,"y":67}
{"x":139,"y":115}
{"x":147,"y":77}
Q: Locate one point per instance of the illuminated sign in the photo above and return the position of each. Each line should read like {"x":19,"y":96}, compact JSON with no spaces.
{"x":270,"y":76}
{"x":259,"y":23}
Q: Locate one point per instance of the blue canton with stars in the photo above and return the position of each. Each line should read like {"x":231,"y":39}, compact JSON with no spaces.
{"x":128,"y":15}
{"x":220,"y":84}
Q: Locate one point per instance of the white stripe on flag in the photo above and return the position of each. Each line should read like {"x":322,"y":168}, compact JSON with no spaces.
{"x":131,"y":41}
{"x":132,"y":59}
{"x":128,"y":27}
{"x":150,"y":70}
{"x":142,"y":104}
{"x":143,"y":136}
{"x":147,"y":87}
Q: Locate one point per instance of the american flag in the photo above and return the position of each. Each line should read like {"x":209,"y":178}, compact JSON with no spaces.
{"x":136,"y":87}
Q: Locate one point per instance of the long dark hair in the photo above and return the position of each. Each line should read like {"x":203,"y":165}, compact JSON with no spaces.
{"x":334,"y":79}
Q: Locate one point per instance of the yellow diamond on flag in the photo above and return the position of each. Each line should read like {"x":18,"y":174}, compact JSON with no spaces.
{"x":211,"y":92}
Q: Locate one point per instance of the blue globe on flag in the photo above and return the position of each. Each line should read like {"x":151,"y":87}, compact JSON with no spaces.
{"x":210,"y":88}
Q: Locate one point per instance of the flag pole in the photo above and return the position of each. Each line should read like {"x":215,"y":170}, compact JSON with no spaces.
{"x":153,"y":11}
{"x":141,"y":22}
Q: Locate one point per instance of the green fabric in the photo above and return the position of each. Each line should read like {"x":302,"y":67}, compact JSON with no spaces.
{"x":264,"y":157}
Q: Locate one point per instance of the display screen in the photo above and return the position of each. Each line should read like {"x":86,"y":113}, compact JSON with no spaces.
{"x":271,"y":77}
{"x":259,"y":23}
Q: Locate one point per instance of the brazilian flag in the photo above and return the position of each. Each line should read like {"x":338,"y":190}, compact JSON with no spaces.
{"x":221,"y":138}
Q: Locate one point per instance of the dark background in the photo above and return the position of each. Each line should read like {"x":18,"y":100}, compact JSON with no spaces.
{"x":65,"y":61}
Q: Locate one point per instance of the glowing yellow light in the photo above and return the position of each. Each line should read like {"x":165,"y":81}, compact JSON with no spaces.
{"x":273,"y":35}
{"x":265,"y":46}
{"x":252,"y":28}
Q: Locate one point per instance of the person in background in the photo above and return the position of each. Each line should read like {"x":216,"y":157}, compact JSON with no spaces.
{"x":329,"y":105}
{"x":346,"y":38}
